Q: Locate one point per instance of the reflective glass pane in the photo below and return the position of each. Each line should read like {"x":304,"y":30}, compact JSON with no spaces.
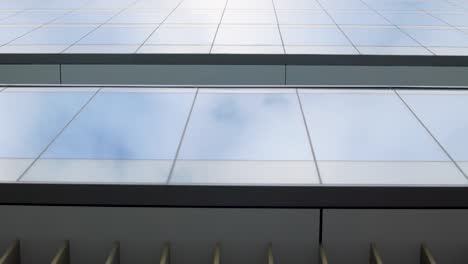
{"x":8,"y":34}
{"x":29,"y":122}
{"x":122,"y":136}
{"x":130,"y":35}
{"x":248,"y":35}
{"x":439,"y":37}
{"x":297,"y":35}
{"x":367,"y":126}
{"x":239,"y":126}
{"x":245,"y":138}
{"x":372,"y":138}
{"x":183,"y":34}
{"x":55,"y":35}
{"x":445,"y":114}
{"x":358,"y":18}
{"x":412,"y":19}
{"x":379,"y":37}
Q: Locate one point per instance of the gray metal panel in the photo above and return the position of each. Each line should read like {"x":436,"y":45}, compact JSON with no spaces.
{"x":173,"y":74}
{"x":398,"y":234}
{"x":29,"y":74}
{"x":376,"y":75}
{"x":193,"y":232}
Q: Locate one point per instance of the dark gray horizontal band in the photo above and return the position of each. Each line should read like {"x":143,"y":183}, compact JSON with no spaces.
{"x":236,"y":59}
{"x":234,"y":196}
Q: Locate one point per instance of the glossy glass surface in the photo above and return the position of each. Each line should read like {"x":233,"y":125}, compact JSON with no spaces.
{"x":366,"y":127}
{"x":379,"y":37}
{"x":54,"y":35}
{"x":250,"y":126}
{"x":412,"y":19}
{"x":122,"y":136}
{"x":183,"y":34}
{"x":439,"y":37}
{"x":445,"y":114}
{"x":125,"y":125}
{"x":313,"y":36}
{"x":233,"y":136}
{"x":358,"y":18}
{"x":432,"y":27}
{"x":31,"y":120}
{"x":118,"y":35}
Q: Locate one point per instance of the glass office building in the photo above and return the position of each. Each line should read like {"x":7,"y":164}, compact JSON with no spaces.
{"x":233,"y":131}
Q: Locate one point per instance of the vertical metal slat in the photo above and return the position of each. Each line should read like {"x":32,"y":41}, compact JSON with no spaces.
{"x":63,"y":254}
{"x":114,"y":254}
{"x":426,"y":256}
{"x":322,"y":255}
{"x":374,"y":255}
{"x":217,"y":254}
{"x":12,"y":255}
{"x":165,"y":254}
{"x":270,"y":254}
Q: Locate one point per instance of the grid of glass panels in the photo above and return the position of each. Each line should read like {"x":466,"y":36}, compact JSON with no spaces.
{"x":234,"y":136}
{"x":414,"y":27}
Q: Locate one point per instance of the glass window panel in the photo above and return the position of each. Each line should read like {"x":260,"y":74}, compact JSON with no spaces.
{"x":248,"y":4}
{"x":126,"y":125}
{"x":249,"y":17}
{"x":187,"y":34}
{"x":245,"y":138}
{"x":247,"y":49}
{"x":394,"y":50}
{"x":326,"y":36}
{"x":33,"y":17}
{"x":343,"y":4}
{"x":54,"y":35}
{"x":203,"y":4}
{"x":445,"y":115}
{"x":85,"y":17}
{"x":297,"y":4}
{"x":195,"y":16}
{"x":439,"y":37}
{"x":248,"y":35}
{"x":130,"y":35}
{"x":103,"y":4}
{"x":140,"y":17}
{"x":33,"y":48}
{"x":175,"y":49}
{"x":439,"y":6}
{"x":412,"y":19}
{"x":379,"y":37}
{"x":8,"y":34}
{"x":400,"y":5}
{"x":29,"y":122}
{"x":449,"y":51}
{"x":372,"y":138}
{"x":358,"y":18}
{"x":4,"y":14}
{"x":320,"y":50}
{"x":102,"y":49}
{"x":454,"y":19}
{"x":366,"y":127}
{"x":390,"y":173}
{"x":122,"y":136}
{"x":238,"y":126}
{"x":304,"y":17}
{"x":35,"y":116}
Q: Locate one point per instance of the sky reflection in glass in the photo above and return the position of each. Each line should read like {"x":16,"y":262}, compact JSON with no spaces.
{"x":126,"y":125}
{"x":249,"y":126}
{"x":29,"y":121}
